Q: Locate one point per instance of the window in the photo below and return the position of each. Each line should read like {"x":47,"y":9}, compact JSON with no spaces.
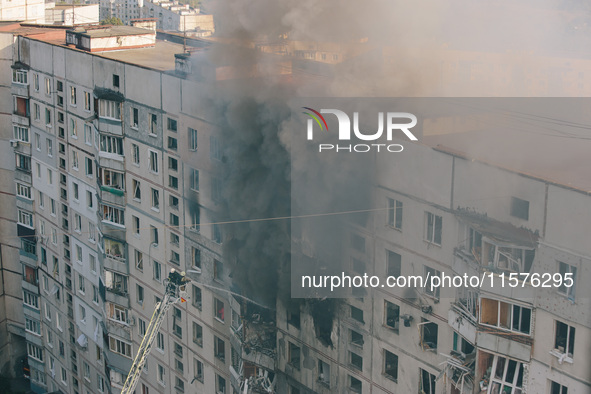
{"x":461,"y":345}
{"x":140,"y":294}
{"x":114,"y":249}
{"x":21,"y":133}
{"x":111,"y":144}
{"x":115,"y":80}
{"x":198,"y":370}
{"x":100,"y":382}
{"x":171,"y":124}
{"x":197,"y":297}
{"x":75,"y":161}
{"x":192,"y":139}
{"x":20,"y":76}
{"x":427,"y":382}
{"x":173,"y":164}
{"x":155,"y":199}
{"x":429,"y":290}
{"x":72,"y":95}
{"x":92,"y":263}
{"x":556,"y":388}
{"x":356,"y":360}
{"x":294,"y":355}
{"x":567,"y":271}
{"x":153,"y":161}
{"x":48,"y":116}
{"x":157,"y":271}
{"x":218,"y":307}
{"x":391,"y":315}
{"x":172,"y":143}
{"x":116,"y":283}
{"x":41,"y":201}
{"x":81,"y":284}
{"x":176,"y":320}
{"x":173,"y":182}
{"x":36,"y":111}
{"x":194,"y":182}
{"x":433,"y":227}
{"x":355,"y":384}
{"x":77,"y":224}
{"x":110,"y":178}
{"x":153,"y":124}
{"x":87,"y":134}
{"x":32,"y":326}
{"x":195,"y":219}
{"x":395,"y":214}
{"x":217,"y":233}
{"x":137,"y":191}
{"x":356,"y":314}
{"x":49,"y":144}
{"x":95,"y":294}
{"x":214,"y":148}
{"x":198,"y":334}
{"x":394,"y":264}
{"x":87,"y":101}
{"x":139,"y":260}
{"x":154,"y":236}
{"x":30,"y":299}
{"x":136,"y":224}
{"x":37,"y":142}
{"x":47,"y":86}
{"x":113,"y":215}
{"x":86,"y":369}
{"x":178,"y":383}
{"x":505,"y":316}
{"x":216,"y":189}
{"x":35,"y":352}
{"x":73,"y":128}
{"x":218,"y":270}
{"x":519,"y":208}
{"x":357,"y":243}
{"x":564,"y":339}
{"x":89,"y":199}
{"x":25,"y":218}
{"x":220,"y":384}
{"x":120,"y":347}
{"x":428,"y":335}
{"x":135,"y":115}
{"x":219,"y":348}
{"x":110,"y":109}
{"x":117,"y":313}
{"x":141,"y":327}
{"x":135,"y":154}
{"x":324,"y":373}
{"x":196,"y":258}
{"x":23,"y":162}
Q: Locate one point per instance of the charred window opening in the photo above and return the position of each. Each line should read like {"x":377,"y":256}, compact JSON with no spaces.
{"x":358,"y":243}
{"x":324,"y":373}
{"x":429,"y":332}
{"x":293,"y":318}
{"x":357,"y":265}
{"x":323,"y":314}
{"x":294,"y":355}
{"x":391,"y":365}
{"x":394,"y":264}
{"x":519,"y":208}
{"x":391,"y":315}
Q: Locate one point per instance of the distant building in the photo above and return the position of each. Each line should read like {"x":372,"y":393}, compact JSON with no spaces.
{"x":22,"y":10}
{"x":71,"y":14}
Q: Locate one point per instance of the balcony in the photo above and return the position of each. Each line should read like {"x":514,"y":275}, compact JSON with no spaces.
{"x":259,"y":337}
{"x":459,"y":368}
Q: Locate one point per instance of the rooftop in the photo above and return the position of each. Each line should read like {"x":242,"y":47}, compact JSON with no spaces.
{"x":111,"y":31}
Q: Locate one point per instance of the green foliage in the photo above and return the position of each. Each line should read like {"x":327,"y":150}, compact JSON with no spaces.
{"x":112,"y":21}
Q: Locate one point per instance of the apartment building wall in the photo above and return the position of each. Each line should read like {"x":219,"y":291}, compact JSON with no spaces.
{"x":23,"y":10}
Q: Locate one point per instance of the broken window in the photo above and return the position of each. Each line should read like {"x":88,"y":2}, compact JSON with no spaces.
{"x":557,"y":388}
{"x":293,"y":318}
{"x":220,"y":348}
{"x":506,"y":316}
{"x":390,"y":365}
{"x":294,"y":355}
{"x":564,"y":340}
{"x":428,"y":335}
{"x":394,"y":264}
{"x":357,"y":314}
{"x":461,"y":345}
{"x":433,"y":228}
{"x":468,"y":299}
{"x":356,"y":360}
{"x":429,"y":290}
{"x":323,"y":373}
{"x":426,"y":382}
{"x":356,"y":338}
{"x":476,"y":244}
{"x":519,"y":208}
{"x":506,"y":376}
{"x":391,"y":315}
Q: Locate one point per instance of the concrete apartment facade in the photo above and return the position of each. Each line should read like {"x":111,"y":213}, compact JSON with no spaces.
{"x":114,"y":172}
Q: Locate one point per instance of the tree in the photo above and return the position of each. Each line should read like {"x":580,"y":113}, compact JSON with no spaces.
{"x":112,"y":21}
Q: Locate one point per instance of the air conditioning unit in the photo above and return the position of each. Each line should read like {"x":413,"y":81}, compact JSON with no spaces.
{"x":14,"y":143}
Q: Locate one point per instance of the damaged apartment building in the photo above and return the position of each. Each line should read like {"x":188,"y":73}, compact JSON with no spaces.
{"x":116,"y":182}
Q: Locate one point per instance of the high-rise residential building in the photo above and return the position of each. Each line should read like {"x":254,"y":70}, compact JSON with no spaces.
{"x":115,"y":176}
